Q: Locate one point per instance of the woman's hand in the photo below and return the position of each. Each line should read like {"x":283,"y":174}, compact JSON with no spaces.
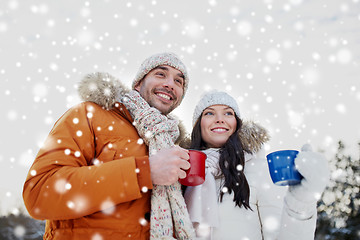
{"x":313,"y":167}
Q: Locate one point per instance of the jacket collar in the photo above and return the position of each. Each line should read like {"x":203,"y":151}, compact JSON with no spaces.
{"x":120,"y":109}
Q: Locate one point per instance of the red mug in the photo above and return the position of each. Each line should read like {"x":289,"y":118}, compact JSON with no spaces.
{"x":195,"y":175}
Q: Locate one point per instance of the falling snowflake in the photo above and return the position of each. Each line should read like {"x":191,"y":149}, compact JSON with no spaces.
{"x":96,"y":236}
{"x":244,"y":28}
{"x":295,"y":119}
{"x":85,"y":38}
{"x":54,"y":67}
{"x":19,"y":231}
{"x":143,"y":222}
{"x":271,"y":224}
{"x":40,"y":90}
{"x":62,"y":186}
{"x":133,"y":22}
{"x":26,"y":158}
{"x":70,"y":204}
{"x":203,"y":230}
{"x":96,"y":162}
{"x":310,"y":76}
{"x":273,"y":56}
{"x":239,"y":167}
{"x":12,"y":115}
{"x":78,"y":204}
{"x":341,"y":108}
{"x":67,"y":151}
{"x":344,"y":56}
{"x":107,"y":207}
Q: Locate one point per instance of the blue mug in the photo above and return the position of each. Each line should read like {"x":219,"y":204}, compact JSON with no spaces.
{"x":282,"y":167}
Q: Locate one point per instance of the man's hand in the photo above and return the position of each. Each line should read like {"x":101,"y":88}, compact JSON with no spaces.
{"x":168,"y":165}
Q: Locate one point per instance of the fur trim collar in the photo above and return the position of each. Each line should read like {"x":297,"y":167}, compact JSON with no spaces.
{"x":105,"y":90}
{"x":102,"y":89}
{"x":253,"y":136}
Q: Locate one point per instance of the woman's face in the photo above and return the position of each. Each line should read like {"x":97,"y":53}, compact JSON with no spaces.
{"x":217,"y":124}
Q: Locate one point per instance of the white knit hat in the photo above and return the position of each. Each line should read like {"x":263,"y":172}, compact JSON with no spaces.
{"x":159,"y":59}
{"x":214,"y":98}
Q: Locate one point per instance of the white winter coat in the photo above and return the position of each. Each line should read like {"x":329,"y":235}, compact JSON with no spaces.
{"x":268,"y":218}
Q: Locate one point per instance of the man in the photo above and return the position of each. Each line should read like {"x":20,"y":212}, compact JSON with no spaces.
{"x":93,"y":177}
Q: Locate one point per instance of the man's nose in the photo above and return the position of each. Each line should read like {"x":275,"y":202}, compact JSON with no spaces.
{"x":169,"y":83}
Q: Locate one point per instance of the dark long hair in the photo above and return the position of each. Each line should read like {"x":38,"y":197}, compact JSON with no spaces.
{"x":232,"y":163}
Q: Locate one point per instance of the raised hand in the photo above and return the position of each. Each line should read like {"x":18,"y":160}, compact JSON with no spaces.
{"x":168,"y":165}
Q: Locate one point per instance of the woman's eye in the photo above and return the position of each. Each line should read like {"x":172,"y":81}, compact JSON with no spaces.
{"x":208,"y":113}
{"x":229,"y":113}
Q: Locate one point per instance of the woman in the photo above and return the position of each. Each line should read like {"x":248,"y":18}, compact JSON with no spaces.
{"x":238,"y":199}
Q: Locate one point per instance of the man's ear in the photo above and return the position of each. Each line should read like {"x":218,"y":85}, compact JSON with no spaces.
{"x":137,"y":86}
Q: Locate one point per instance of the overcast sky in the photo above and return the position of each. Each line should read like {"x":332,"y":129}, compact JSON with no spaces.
{"x":293,"y":66}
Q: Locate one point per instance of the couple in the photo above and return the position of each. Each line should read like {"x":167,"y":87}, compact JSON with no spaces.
{"x":110,"y":166}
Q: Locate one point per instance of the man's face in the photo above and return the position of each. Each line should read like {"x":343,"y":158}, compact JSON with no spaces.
{"x":162,"y":88}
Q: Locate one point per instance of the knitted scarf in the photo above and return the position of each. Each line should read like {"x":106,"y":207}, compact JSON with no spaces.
{"x":167,"y":203}
{"x":202,"y":200}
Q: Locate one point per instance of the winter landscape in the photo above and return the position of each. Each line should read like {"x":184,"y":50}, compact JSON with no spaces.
{"x":292,"y":65}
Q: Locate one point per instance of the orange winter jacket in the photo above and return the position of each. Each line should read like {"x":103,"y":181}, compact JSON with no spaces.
{"x":91,"y":179}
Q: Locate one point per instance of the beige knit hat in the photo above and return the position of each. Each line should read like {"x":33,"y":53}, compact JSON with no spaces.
{"x":156,"y":60}
{"x":215,"y":98}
